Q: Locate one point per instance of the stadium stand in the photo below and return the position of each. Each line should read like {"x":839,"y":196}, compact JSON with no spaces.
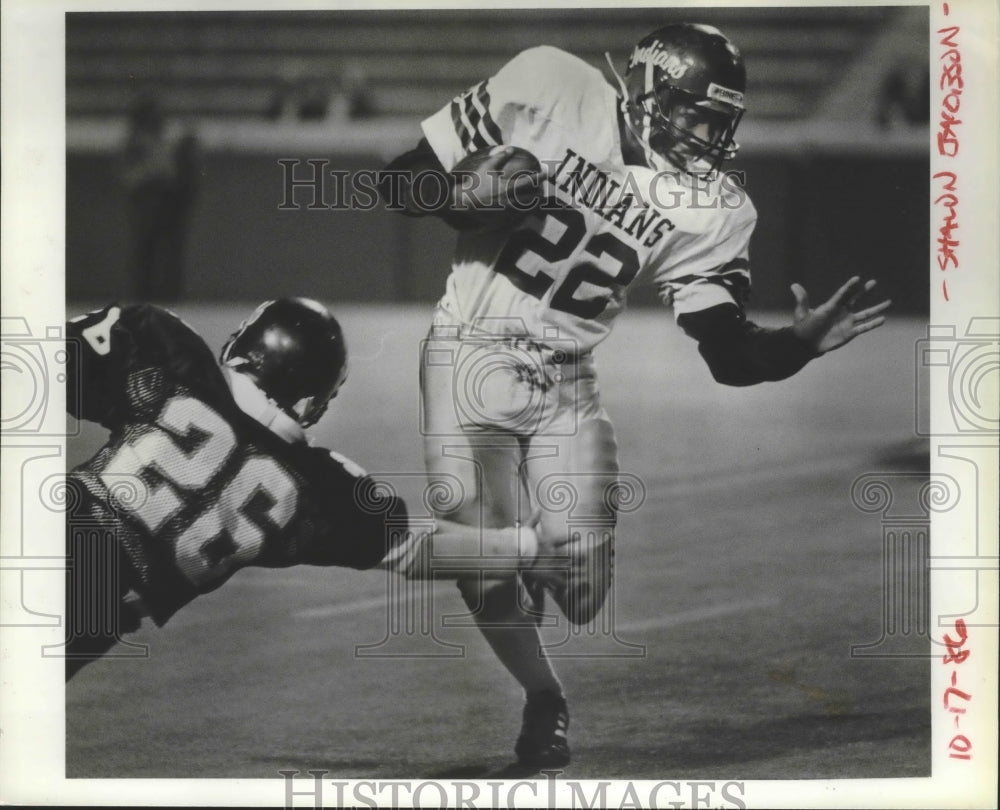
{"x":351,"y":86}
{"x":209,"y":64}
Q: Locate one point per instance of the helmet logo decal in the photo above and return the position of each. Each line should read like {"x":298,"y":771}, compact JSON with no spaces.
{"x":669,"y":63}
{"x":717,"y":92}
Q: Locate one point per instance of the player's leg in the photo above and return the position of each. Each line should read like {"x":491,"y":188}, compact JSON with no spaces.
{"x":487,"y":465}
{"x":507,"y":615}
{"x":572,"y":475}
{"x":570,"y":469}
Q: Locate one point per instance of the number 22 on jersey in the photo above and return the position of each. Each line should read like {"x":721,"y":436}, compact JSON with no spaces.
{"x":527,"y":248}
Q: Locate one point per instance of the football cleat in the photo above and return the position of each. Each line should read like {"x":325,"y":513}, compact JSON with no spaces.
{"x":545,"y":722}
{"x":293,"y":349}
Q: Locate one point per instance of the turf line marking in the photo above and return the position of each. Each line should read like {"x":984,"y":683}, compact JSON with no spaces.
{"x":691,"y":616}
{"x":779,"y":470}
{"x":654,"y":623}
{"x":344,"y":609}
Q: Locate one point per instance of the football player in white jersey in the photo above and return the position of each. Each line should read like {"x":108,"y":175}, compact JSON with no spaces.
{"x":629,"y":191}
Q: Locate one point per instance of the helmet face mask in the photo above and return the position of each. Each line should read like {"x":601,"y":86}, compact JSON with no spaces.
{"x":690,"y":133}
{"x":294,"y":352}
{"x":684,"y":97}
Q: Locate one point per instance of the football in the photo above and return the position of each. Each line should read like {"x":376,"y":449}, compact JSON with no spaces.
{"x":495,"y":187}
{"x":508,"y":159}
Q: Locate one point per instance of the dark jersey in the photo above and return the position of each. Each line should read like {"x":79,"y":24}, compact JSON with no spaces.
{"x":192,"y":487}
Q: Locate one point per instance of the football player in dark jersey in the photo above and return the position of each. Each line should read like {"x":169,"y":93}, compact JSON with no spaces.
{"x":207,"y":469}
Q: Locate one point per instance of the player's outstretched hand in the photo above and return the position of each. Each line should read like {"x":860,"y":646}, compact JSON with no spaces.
{"x":836,"y":322}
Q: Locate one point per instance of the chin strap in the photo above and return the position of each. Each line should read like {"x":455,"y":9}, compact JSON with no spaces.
{"x":617,"y":75}
{"x":653,"y":159}
{"x":257,"y":405}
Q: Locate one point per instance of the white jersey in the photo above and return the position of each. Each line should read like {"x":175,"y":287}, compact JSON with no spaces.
{"x":563,"y":273}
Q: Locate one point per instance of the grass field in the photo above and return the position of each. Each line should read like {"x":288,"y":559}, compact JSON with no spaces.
{"x":747,"y":575}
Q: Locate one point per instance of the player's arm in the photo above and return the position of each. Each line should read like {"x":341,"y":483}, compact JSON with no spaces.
{"x":417,"y":184}
{"x":374,"y":529}
{"x":738,"y":352}
{"x":358,"y":516}
{"x":104,"y":345}
{"x":95,"y":370}
{"x":465,"y":169}
{"x":443,"y":549}
{"x":707,"y":276}
{"x":488,"y":188}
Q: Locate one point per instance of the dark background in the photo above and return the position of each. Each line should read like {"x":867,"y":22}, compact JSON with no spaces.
{"x":820,"y":220}
{"x":834,"y":141}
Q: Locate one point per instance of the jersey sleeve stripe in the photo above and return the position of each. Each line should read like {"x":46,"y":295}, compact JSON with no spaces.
{"x":475,"y":116}
{"x":734,"y":277}
{"x":736,"y":264}
{"x":474,"y":126}
{"x":463,"y":128}
{"x":488,"y":124}
{"x":733,"y":271}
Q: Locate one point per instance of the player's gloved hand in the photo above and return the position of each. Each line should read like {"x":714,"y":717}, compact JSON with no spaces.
{"x":495,"y":187}
{"x":834,"y":323}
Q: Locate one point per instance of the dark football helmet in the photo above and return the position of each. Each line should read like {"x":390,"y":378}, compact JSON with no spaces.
{"x":293,"y":349}
{"x":684,"y":89}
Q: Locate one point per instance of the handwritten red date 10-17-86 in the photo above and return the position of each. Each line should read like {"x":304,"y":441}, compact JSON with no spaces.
{"x":955,"y":699}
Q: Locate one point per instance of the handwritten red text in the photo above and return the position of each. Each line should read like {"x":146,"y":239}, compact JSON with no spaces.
{"x":955,"y":699}
{"x":947,"y":244}
{"x":951,"y":83}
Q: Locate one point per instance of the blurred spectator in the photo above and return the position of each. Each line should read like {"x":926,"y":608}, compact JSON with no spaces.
{"x":160,"y":178}
{"x":300,"y":97}
{"x":280,"y":106}
{"x":354,"y":88}
{"x":284,"y":100}
{"x":314,"y":101}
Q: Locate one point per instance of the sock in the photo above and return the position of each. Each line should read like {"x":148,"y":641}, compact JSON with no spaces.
{"x":511,"y":632}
